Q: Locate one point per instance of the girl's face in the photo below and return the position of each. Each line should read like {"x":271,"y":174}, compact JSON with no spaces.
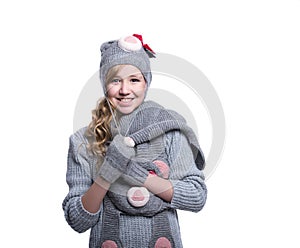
{"x":126,"y":89}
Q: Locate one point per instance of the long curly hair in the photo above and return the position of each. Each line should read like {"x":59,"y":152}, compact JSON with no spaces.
{"x":98,"y":131}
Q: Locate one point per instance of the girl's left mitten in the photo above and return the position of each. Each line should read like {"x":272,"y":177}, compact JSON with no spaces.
{"x":116,"y":160}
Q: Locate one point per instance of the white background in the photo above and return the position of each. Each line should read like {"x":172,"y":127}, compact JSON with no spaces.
{"x":250,"y":52}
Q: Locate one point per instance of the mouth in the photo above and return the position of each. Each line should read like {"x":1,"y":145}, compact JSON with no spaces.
{"x":124,"y":99}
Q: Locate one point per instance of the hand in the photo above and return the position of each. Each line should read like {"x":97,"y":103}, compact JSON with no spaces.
{"x":117,"y":158}
{"x":119,"y":153}
{"x":136,"y":173}
{"x":140,"y":167}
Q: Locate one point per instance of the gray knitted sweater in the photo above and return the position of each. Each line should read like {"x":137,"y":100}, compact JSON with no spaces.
{"x":135,"y":231}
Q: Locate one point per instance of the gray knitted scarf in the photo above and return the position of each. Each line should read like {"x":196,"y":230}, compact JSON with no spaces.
{"x":146,"y":126}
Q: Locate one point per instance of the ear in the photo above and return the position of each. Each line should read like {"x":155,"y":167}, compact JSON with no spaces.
{"x":129,"y":43}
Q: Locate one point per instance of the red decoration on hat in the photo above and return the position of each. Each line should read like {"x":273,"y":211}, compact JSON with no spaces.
{"x":147,"y":48}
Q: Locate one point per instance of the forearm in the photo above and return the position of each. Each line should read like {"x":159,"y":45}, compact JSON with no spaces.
{"x":94,"y":196}
{"x":161,"y":187}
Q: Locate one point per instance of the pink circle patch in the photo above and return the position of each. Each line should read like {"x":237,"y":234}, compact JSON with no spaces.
{"x":130,"y":39}
{"x":138,"y":195}
{"x":163,"y":242}
{"x":109,"y":244}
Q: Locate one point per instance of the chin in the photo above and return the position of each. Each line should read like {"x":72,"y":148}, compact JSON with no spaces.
{"x":125,"y":111}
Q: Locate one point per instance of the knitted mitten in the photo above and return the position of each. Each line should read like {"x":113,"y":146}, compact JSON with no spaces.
{"x":117,"y":161}
{"x":137,"y":173}
{"x":147,"y":156}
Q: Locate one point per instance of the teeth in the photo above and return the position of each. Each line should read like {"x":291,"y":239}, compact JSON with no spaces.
{"x":125,"y":99}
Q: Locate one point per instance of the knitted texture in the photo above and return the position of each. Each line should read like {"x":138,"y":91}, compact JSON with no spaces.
{"x":117,"y":161}
{"x":149,"y":122}
{"x":135,"y":174}
{"x":138,"y":168}
{"x":118,"y":195}
{"x":111,"y":223}
{"x":188,"y":185}
{"x":152,"y":120}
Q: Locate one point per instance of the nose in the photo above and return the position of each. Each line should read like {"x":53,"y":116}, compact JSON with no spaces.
{"x":125,"y":88}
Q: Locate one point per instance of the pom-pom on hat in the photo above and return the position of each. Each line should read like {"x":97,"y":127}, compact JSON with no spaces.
{"x":128,"y":50}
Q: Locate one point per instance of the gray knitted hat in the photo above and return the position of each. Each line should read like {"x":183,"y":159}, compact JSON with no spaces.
{"x":127,"y":50}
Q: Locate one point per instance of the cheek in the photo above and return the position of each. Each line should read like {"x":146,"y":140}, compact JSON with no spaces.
{"x":111,"y":91}
{"x":141,"y":90}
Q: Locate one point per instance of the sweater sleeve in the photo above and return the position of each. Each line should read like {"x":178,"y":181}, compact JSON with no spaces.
{"x":188,"y":181}
{"x":79,"y":180}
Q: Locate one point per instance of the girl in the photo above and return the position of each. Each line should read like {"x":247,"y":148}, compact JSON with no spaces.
{"x":136,"y":163}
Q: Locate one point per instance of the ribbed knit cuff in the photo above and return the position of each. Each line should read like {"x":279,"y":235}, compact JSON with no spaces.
{"x":188,"y":198}
{"x":108,"y":172}
{"x":137,"y":172}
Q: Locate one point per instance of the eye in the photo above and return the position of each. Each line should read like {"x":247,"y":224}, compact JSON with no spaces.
{"x":135,"y":80}
{"x":115,"y":81}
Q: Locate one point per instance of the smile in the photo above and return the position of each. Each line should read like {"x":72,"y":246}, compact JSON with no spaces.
{"x":125,"y":99}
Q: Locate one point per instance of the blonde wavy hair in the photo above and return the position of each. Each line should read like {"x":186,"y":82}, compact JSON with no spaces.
{"x":98,"y":131}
